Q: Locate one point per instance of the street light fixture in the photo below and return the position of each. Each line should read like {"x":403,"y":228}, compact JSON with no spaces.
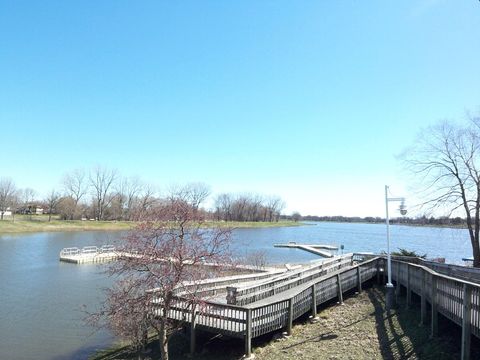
{"x":403,"y":211}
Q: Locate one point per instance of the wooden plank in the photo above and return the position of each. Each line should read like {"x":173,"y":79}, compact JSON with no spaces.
{"x":248,"y":334}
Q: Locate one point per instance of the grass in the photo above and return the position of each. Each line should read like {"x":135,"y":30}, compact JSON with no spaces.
{"x":40,"y":223}
{"x":359,"y":329}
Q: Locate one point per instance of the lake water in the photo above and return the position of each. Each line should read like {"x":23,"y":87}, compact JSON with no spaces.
{"x":41,"y":299}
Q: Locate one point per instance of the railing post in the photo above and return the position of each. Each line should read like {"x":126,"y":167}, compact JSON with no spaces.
{"x":423,"y":299}
{"x":193,"y":326}
{"x":378,"y":271}
{"x":290,"y":316}
{"x":466,"y":320}
{"x":248,"y":334}
{"x":359,"y":277}
{"x":314,"y":302}
{"x":409,"y":293}
{"x":340,"y":292}
{"x":399,"y":288}
{"x":434,"y":331}
{"x":384,"y":261}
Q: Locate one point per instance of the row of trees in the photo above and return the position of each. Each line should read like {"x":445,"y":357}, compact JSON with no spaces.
{"x":248,"y":207}
{"x":421,"y":220}
{"x":103,"y":194}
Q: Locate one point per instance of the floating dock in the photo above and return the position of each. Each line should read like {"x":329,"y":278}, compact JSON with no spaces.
{"x":314,"y":249}
{"x":88,"y":254}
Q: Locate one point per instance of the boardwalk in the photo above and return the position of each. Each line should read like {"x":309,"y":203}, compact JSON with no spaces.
{"x":456,"y":299}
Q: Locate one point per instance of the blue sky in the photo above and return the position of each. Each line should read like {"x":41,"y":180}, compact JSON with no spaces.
{"x":309,"y":100}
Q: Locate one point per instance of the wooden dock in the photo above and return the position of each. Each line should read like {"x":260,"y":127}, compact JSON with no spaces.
{"x":88,"y":254}
{"x":314,"y":249}
{"x":456,"y":299}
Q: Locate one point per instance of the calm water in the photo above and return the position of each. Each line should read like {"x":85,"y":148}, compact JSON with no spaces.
{"x":41,"y":298}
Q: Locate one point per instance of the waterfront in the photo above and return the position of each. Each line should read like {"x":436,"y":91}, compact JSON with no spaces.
{"x":41,"y":315}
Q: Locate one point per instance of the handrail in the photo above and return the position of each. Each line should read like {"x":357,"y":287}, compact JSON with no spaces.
{"x":86,"y":250}
{"x":258,"y":291}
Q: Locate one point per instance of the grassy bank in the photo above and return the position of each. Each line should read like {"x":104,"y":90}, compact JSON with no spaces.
{"x":25,"y":224}
{"x":359,"y":329}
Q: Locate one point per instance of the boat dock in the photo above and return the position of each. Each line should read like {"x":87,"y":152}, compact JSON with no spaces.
{"x":88,"y":254}
{"x":314,"y":249}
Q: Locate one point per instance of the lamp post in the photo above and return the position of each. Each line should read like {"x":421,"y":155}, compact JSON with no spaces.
{"x":403,"y":211}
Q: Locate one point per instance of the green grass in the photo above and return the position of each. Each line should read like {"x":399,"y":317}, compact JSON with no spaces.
{"x":40,"y":223}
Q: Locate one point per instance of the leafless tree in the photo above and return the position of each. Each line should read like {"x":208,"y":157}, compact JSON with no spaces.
{"x":7,"y":192}
{"x":145,"y":202}
{"x":126,"y":196}
{"x":75,"y":185}
{"x":296,"y":216}
{"x":27,"y":197}
{"x":102,"y":181}
{"x":194,"y":193}
{"x":172,"y":247}
{"x":52,"y":200}
{"x":445,"y":159}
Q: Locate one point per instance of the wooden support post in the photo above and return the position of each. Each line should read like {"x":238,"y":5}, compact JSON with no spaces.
{"x":248,"y":334}
{"x":434,"y":331}
{"x":290,"y":317}
{"x":466,"y":321}
{"x":398,"y":290}
{"x":359,"y":277}
{"x":423,"y":300}
{"x":340,"y":291}
{"x":314,"y":302}
{"x":193,"y":325}
{"x":378,"y":271}
{"x":384,"y":270}
{"x":409,"y":293}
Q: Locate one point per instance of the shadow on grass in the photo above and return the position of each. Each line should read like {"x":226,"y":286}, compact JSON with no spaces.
{"x":402,"y":337}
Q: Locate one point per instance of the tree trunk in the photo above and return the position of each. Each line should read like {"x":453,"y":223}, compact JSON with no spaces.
{"x":49,"y":216}
{"x":163,"y":342}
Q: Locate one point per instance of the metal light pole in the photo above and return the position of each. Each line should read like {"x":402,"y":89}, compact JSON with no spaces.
{"x":403,"y":211}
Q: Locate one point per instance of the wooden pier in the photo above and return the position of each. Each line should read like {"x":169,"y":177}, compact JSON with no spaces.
{"x":284,"y":301}
{"x":314,"y":249}
{"x":88,"y":254}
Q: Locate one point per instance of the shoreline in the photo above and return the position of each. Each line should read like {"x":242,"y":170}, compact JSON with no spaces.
{"x":21,"y":226}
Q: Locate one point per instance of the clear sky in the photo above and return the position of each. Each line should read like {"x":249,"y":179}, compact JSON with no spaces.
{"x":309,"y":100}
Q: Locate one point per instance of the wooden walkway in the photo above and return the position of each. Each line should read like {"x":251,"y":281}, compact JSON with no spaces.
{"x":456,"y":299}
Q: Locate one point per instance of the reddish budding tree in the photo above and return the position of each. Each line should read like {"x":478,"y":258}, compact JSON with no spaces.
{"x":157,"y":260}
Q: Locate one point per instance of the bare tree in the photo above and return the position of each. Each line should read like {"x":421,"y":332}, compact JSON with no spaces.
{"x":52,"y":201}
{"x":7,"y":193}
{"x":75,"y":186}
{"x":296,"y":216}
{"x":172,"y":248}
{"x":445,"y":160}
{"x":102,"y":181}
{"x":27,"y":197}
{"x":194,"y":193}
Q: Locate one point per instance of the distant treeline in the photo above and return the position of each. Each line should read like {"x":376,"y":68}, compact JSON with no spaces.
{"x":423,"y":220}
{"x":101,"y":193}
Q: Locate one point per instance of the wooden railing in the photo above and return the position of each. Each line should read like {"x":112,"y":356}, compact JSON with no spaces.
{"x":243,"y":295}
{"x":251,"y":321}
{"x":456,"y":299}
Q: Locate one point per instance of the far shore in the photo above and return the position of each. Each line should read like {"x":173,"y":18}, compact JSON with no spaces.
{"x":41,"y":224}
